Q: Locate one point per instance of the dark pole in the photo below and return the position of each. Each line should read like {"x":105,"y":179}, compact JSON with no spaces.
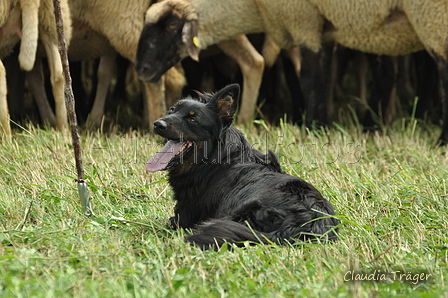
{"x":70,"y":104}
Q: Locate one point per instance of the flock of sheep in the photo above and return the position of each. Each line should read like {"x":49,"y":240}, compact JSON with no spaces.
{"x":157,"y":36}
{"x":93,"y":29}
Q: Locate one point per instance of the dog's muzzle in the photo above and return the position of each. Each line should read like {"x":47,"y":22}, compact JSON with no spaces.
{"x":160,"y":126}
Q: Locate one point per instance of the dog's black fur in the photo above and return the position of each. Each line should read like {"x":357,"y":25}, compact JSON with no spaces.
{"x":228,"y":191}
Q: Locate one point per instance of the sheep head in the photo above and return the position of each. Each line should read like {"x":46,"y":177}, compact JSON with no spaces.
{"x":169,"y":35}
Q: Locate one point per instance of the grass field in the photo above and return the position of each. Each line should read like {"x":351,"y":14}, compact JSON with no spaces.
{"x":389,"y":190}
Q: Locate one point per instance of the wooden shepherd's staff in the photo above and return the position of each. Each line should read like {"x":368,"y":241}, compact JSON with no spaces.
{"x":70,"y":104}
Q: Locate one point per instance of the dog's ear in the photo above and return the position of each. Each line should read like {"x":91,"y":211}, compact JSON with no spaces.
{"x":225,"y":102}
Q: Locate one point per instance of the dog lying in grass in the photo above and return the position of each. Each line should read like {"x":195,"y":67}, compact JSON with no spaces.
{"x":225,"y":189}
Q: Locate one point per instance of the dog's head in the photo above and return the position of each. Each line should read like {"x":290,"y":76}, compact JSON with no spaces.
{"x":192,"y":127}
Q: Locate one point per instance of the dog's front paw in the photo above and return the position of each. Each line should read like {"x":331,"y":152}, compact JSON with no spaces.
{"x":174,"y":222}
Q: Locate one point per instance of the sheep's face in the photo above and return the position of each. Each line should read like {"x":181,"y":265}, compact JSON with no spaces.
{"x":160,"y":47}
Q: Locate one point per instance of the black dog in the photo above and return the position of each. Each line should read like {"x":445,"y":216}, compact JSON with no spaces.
{"x":226,"y":189}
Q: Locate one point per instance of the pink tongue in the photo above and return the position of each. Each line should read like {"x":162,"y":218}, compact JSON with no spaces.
{"x":161,"y":159}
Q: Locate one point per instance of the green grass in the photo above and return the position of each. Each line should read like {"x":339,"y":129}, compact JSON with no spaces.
{"x":389,"y":189}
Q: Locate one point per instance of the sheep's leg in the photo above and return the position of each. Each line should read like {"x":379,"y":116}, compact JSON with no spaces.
{"x":252,"y":67}
{"x":174,"y":83}
{"x":295,"y":56}
{"x":427,"y":84}
{"x":361,"y":65}
{"x":315,"y":79}
{"x":270,"y":51}
{"x":4,"y":122}
{"x":35,"y":79}
{"x":442,"y":67}
{"x":296,"y":59}
{"x":383,"y":82}
{"x":104,"y":75}
{"x":30,"y":33}
{"x":15,"y":82}
{"x":405,"y":90}
{"x":155,"y":106}
{"x":57,"y":81}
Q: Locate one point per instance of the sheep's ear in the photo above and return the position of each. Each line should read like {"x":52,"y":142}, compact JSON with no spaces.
{"x":225,"y":102}
{"x":190,"y":38}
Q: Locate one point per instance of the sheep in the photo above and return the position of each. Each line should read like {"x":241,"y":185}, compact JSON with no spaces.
{"x":33,"y":20}
{"x":11,"y":13}
{"x":49,"y":39}
{"x":252,"y":65}
{"x":4,"y":123}
{"x":388,"y":27}
{"x":240,"y":49}
{"x":121,"y":22}
{"x":89,"y":45}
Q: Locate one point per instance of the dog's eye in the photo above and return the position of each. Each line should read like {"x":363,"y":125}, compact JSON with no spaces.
{"x":171,"y":110}
{"x":192,"y":119}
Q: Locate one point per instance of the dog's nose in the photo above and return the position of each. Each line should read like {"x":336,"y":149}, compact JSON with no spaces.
{"x":160,"y":125}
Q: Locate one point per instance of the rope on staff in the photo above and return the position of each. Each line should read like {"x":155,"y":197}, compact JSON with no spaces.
{"x":70,"y":104}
